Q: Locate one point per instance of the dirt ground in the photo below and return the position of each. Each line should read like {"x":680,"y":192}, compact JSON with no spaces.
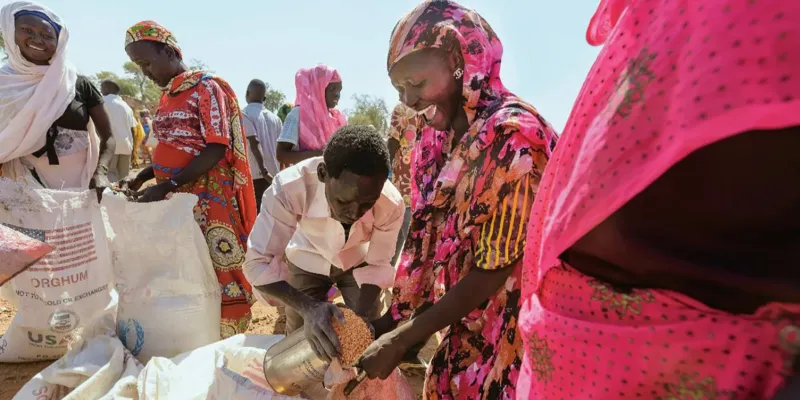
{"x":266,"y":320}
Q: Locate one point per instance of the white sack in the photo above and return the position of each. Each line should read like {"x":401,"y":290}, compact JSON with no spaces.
{"x":193,"y":375}
{"x":99,"y":368}
{"x":170,"y":298}
{"x":67,"y":295}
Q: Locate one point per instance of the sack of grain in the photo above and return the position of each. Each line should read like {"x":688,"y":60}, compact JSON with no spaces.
{"x":222,"y":370}
{"x":68,"y":294}
{"x":395,"y":387}
{"x":169,"y":294}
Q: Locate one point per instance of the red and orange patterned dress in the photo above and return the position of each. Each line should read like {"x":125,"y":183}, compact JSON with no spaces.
{"x":198,"y":109}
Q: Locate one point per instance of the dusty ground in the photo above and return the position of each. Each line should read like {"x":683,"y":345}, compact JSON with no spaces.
{"x":266,"y":320}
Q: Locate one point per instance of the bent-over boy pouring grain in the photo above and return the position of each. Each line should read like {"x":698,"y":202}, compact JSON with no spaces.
{"x":330,"y":220}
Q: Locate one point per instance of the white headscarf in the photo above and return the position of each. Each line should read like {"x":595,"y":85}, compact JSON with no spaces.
{"x":32,"y":96}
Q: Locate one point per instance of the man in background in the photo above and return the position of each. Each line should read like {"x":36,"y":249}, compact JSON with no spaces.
{"x":123,"y":125}
{"x":262,"y":128}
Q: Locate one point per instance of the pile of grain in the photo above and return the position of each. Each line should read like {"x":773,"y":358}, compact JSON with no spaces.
{"x":354,"y":335}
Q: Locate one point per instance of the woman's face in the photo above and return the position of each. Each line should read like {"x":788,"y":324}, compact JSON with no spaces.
{"x":158,"y":62}
{"x":36,"y":38}
{"x":425,"y":78}
{"x":332,"y":93}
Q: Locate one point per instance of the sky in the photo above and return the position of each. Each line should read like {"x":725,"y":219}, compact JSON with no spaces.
{"x":545,"y":60}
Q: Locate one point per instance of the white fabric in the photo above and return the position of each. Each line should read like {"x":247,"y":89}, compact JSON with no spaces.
{"x":295,"y":221}
{"x":102,"y":368}
{"x":194,"y":375}
{"x":161,"y":263}
{"x":122,"y":121}
{"x":67,"y":295}
{"x":32,"y":96}
{"x":96,"y":368}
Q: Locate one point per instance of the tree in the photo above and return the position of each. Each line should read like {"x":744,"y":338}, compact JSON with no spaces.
{"x":127,"y":87}
{"x":369,"y":110}
{"x":147,"y":91}
{"x":275,"y":98}
{"x":198,"y":65}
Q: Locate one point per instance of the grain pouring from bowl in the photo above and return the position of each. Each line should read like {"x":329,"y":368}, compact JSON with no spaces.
{"x":354,"y":335}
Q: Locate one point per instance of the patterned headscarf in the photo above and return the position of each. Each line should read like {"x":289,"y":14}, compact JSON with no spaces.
{"x":154,"y":32}
{"x":446,"y":25}
{"x":451,"y":27}
{"x":284,"y":110}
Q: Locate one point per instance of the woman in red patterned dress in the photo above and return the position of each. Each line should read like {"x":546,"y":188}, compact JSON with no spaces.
{"x":201,"y":150}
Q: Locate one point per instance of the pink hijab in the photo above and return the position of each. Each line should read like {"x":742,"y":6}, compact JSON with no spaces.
{"x":317,"y":121}
{"x":673,"y":77}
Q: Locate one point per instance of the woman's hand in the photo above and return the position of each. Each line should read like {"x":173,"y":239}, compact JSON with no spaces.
{"x":384,"y":355}
{"x":133,"y":184}
{"x":99,"y":183}
{"x":155,"y":193}
{"x":384,"y":324}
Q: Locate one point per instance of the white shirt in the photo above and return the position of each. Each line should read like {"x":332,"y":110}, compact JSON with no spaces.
{"x":122,"y":120}
{"x":266,"y":127}
{"x":295,"y":221}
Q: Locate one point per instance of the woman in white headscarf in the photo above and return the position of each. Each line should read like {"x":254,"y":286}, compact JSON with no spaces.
{"x":48,"y":113}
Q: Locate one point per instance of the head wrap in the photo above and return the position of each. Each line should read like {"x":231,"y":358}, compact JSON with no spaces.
{"x":56,"y":26}
{"x":32,"y":96}
{"x":284,"y":110}
{"x":672,"y":78}
{"x":317,"y":121}
{"x":658,"y":91}
{"x":455,"y":29}
{"x":154,"y":32}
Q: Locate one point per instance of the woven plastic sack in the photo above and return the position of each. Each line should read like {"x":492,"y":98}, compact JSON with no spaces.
{"x":68,"y":294}
{"x":170,"y":298}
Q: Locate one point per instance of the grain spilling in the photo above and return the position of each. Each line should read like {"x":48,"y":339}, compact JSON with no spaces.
{"x":354,"y":335}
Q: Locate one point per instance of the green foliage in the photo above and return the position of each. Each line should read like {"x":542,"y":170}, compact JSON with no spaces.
{"x":147,"y":91}
{"x":369,"y":110}
{"x":126,"y":86}
{"x":275,"y":98}
{"x":198,"y":65}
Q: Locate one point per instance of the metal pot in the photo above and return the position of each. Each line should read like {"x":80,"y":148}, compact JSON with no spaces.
{"x":291,"y":366}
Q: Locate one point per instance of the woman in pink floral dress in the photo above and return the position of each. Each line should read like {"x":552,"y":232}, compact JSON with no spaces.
{"x":478,"y":163}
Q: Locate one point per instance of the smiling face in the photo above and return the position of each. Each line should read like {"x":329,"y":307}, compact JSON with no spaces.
{"x":158,"y":61}
{"x":36,"y":38}
{"x":350,"y":195}
{"x":332,"y":93}
{"x":425,"y":79}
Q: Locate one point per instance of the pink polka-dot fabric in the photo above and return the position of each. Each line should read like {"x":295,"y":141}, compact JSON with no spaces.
{"x":583,"y":340}
{"x":673,"y":77}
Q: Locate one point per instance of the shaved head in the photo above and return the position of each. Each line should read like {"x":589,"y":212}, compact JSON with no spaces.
{"x":256,"y":91}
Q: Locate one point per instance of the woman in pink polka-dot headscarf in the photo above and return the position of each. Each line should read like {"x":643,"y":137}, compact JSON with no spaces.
{"x":664,"y":243}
